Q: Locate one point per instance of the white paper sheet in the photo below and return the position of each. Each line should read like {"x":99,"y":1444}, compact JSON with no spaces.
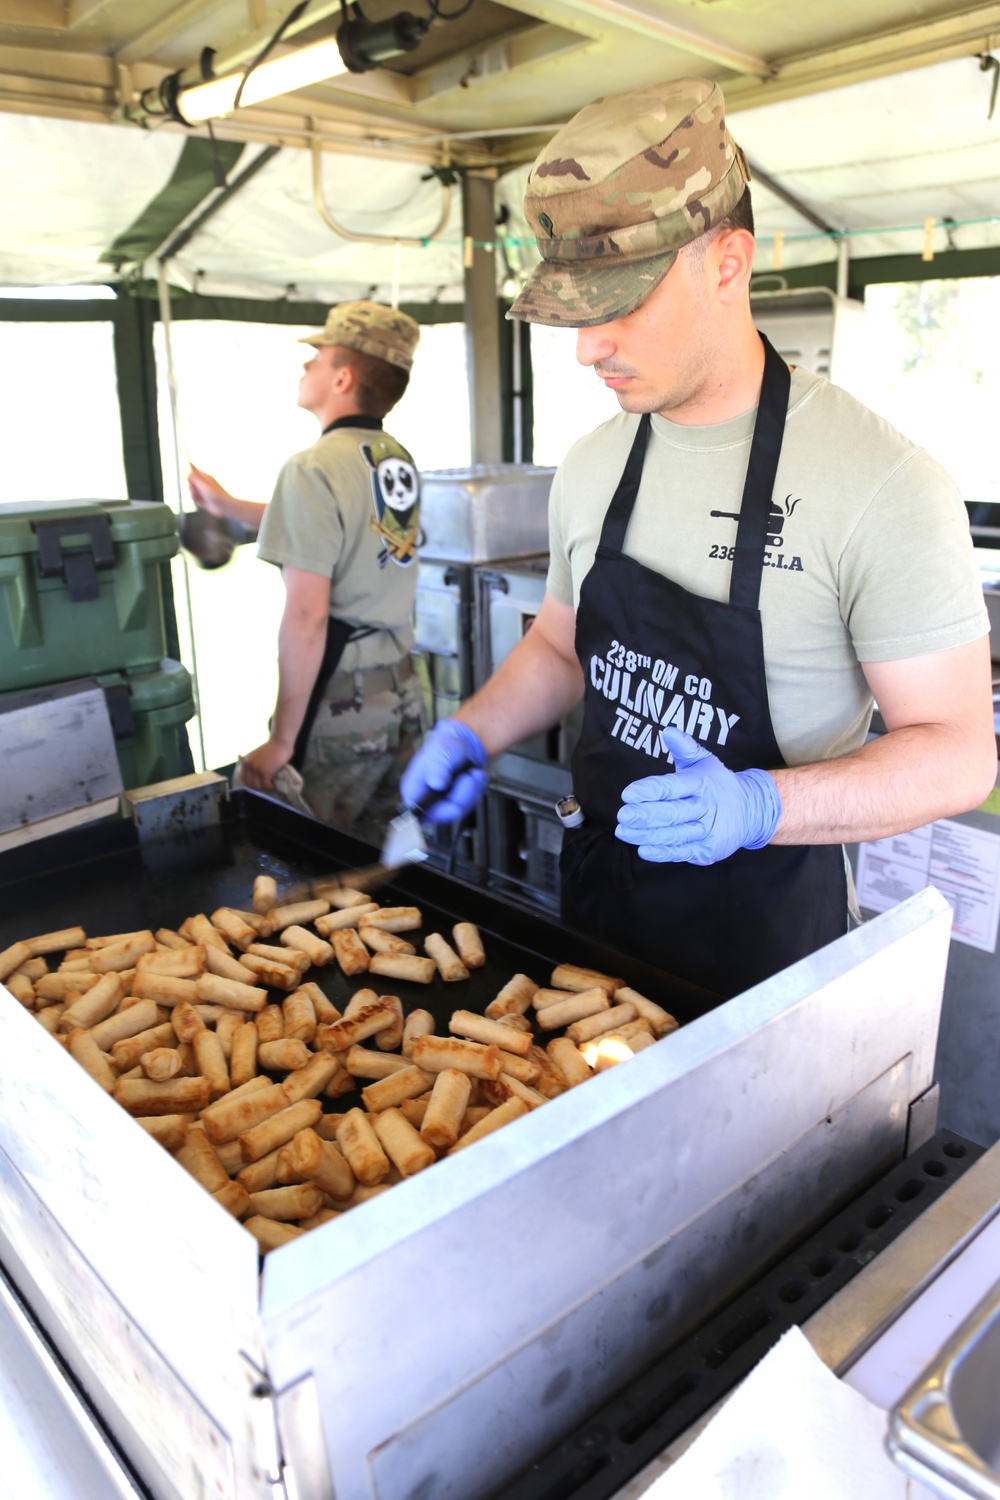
{"x":791,"y":1431}
{"x":963,"y":863}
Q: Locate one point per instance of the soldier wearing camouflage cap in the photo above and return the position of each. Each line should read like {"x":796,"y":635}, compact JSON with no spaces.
{"x":342,"y":524}
{"x":741,"y":559}
{"x":369,"y":328}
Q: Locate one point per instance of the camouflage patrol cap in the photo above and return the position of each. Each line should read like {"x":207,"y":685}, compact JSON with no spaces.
{"x":371,"y":328}
{"x":618,"y":191}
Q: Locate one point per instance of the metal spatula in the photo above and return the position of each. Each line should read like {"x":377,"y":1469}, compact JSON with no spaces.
{"x":404,"y":844}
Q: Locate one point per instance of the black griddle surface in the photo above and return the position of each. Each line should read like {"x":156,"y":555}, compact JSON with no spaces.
{"x":103,"y":879}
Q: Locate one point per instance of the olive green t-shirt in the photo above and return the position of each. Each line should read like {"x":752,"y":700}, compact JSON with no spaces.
{"x":869,"y":558}
{"x":348,"y":509}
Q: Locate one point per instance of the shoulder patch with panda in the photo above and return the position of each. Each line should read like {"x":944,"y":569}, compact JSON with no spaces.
{"x":396,"y":498}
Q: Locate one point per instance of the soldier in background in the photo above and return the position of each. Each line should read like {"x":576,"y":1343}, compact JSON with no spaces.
{"x":342,"y":525}
{"x":741,"y":559}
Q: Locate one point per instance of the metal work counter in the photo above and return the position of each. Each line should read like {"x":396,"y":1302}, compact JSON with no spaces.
{"x":436,"y":1339}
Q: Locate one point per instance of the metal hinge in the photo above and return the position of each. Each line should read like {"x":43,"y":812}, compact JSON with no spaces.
{"x":922,"y":1119}
{"x":300,"y":1431}
{"x":264,"y":1425}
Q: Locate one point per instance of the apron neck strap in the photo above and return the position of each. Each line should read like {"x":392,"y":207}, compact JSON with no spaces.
{"x":758,"y":488}
{"x":619,"y":512}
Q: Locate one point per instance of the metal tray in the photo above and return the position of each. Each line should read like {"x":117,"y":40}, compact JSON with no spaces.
{"x":483,"y":512}
{"x":946,"y":1430}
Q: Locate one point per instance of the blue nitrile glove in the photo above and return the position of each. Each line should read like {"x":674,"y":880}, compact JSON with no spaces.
{"x":700,"y":814}
{"x":446,"y":777}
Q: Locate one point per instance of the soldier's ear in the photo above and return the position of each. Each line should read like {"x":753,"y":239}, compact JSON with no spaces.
{"x":366,"y":454}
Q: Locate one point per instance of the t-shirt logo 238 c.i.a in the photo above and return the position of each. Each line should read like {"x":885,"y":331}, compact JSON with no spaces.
{"x":774,"y":556}
{"x":396,"y":497}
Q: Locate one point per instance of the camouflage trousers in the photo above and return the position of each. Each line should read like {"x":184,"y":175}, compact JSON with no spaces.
{"x":355,"y":758}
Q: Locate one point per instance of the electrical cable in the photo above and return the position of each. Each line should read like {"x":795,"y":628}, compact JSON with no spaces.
{"x":988,"y":63}
{"x":290,"y":19}
{"x":207,"y":72}
{"x":453,"y":15}
{"x":180,"y":445}
{"x":217,"y":171}
{"x":456,"y":829}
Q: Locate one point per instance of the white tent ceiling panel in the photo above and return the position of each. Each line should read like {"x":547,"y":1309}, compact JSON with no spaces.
{"x":894,"y":151}
{"x":941,"y":108}
{"x":889,"y":152}
{"x":69,"y":188}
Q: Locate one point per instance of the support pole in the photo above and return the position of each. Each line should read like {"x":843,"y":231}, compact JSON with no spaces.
{"x":481,"y":322}
{"x":135,"y":367}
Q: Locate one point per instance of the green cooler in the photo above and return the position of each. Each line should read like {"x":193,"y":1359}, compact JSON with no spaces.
{"x":148,"y":712}
{"x":82,"y":588}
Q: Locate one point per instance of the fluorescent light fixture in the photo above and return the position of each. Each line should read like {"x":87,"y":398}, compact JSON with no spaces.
{"x":278,"y":75}
{"x":189,"y":97}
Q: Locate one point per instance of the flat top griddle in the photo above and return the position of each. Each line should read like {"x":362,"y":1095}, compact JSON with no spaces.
{"x":103,"y":879}
{"x":762,"y":1163}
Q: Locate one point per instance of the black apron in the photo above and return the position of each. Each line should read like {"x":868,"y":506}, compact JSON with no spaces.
{"x":338,"y":632}
{"x":654,"y":654}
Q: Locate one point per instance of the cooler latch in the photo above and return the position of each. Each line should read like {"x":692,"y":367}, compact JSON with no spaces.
{"x":119,"y":701}
{"x":80,"y":568}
